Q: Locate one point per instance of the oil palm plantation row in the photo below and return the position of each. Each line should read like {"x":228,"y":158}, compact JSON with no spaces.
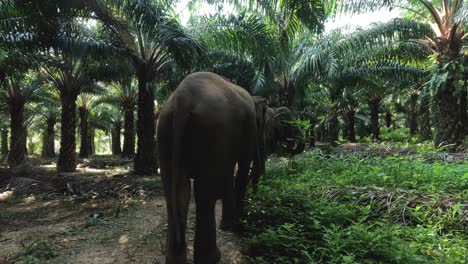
{"x":73,"y":58}
{"x":122,"y":56}
{"x":448,"y":44}
{"x":348,"y":66}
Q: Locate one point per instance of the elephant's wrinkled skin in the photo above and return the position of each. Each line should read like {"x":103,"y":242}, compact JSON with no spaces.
{"x":279,"y":131}
{"x":205,"y":127}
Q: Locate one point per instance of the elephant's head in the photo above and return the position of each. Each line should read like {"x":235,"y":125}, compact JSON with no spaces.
{"x":287,"y":134}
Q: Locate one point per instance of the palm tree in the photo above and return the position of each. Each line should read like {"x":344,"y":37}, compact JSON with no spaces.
{"x":13,"y":96}
{"x":150,"y":39}
{"x":86,"y":102}
{"x":68,"y":45}
{"x":72,"y":76}
{"x":449,"y":23}
{"x":319,"y":110}
{"x":17,"y":90}
{"x":350,"y":106}
{"x":108,"y":117}
{"x":48,"y":106}
{"x":331,"y":60}
{"x":358,"y":65}
{"x":66,"y":79}
{"x":267,"y":32}
{"x":124,"y":96}
{"x":412,"y":110}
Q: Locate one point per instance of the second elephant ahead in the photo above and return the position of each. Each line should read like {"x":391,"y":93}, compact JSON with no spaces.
{"x":281,"y":136}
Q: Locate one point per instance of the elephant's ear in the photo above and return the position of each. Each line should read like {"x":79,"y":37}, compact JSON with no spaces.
{"x":261,"y":105}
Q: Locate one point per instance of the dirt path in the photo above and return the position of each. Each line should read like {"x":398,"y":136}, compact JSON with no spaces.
{"x":64,"y":231}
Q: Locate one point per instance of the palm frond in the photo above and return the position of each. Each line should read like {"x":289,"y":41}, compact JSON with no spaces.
{"x":247,"y":35}
{"x":10,"y":18}
{"x":461,"y":15}
{"x":390,"y":70}
{"x":384,"y":33}
{"x":356,"y":7}
{"x":292,"y":15}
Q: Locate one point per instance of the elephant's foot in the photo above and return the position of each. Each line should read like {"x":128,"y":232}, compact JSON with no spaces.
{"x":226,"y":225}
{"x":234,"y":226}
{"x":210,"y":258}
{"x":176,"y":259}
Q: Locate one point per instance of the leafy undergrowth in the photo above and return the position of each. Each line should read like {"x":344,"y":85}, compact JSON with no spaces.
{"x":350,"y":209}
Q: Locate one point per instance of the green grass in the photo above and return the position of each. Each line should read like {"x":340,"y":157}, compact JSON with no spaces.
{"x":37,"y":251}
{"x":317,"y":209}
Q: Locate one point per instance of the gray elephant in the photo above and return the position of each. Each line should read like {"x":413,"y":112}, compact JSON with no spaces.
{"x":280,"y":135}
{"x":205,"y":128}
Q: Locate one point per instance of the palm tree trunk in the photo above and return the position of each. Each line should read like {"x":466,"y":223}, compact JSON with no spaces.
{"x":463,"y":110}
{"x":312,"y":135}
{"x":116,"y":150}
{"x":113,"y":142}
{"x":90,"y":142}
{"x":388,"y":118}
{"x":344,"y":130}
{"x":374,"y":104}
{"x":84,"y":133}
{"x":319,"y":134}
{"x":129,"y":134}
{"x":425,"y":132}
{"x":448,"y":120}
{"x":448,"y":127}
{"x":413,"y":114}
{"x":145,"y":160}
{"x":48,"y":145}
{"x":118,"y":128}
{"x":26,"y":143}
{"x":333,"y":128}
{"x":351,"y":132}
{"x":4,"y":142}
{"x":67,"y":155}
{"x":17,"y":153}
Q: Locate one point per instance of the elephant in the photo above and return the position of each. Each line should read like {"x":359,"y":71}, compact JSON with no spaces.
{"x":207,"y":126}
{"x":280,"y":132}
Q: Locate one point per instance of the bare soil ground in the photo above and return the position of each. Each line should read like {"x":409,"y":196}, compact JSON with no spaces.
{"x":129,"y":227}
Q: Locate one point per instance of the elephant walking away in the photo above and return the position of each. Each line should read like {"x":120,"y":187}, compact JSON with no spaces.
{"x":205,"y":128}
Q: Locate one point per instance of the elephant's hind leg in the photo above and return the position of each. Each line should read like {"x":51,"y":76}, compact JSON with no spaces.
{"x":228,"y":218}
{"x":242,"y":180}
{"x":176,"y":246}
{"x":205,"y":249}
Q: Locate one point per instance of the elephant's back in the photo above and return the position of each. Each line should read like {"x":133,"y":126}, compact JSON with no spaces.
{"x":210,"y":98}
{"x":218,"y":115}
{"x":213,"y":91}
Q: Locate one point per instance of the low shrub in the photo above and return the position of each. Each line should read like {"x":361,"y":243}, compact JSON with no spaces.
{"x":331,"y":209}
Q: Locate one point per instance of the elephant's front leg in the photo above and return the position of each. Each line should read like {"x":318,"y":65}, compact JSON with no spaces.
{"x":205,"y":249}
